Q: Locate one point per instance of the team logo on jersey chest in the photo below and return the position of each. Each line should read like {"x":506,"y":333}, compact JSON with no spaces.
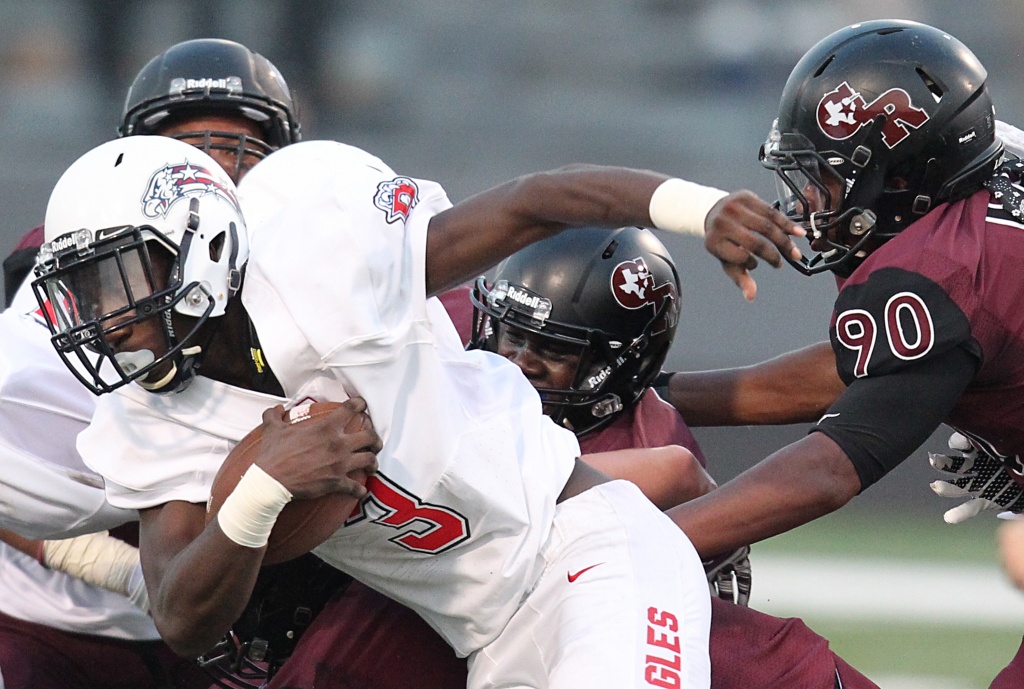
{"x":843,"y":111}
{"x":178,"y":181}
{"x":397,"y":198}
{"x":634,"y":287}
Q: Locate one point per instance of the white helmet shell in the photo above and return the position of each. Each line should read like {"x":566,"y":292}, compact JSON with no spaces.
{"x":165,"y":184}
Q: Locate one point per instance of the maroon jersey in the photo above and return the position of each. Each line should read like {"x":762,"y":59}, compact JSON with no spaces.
{"x":652,"y":422}
{"x":948,"y":288}
{"x":459,"y":306}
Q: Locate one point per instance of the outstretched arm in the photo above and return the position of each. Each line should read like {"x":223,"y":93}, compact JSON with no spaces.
{"x":796,"y":387}
{"x":796,"y":485}
{"x":667,"y":475}
{"x":475,"y":234}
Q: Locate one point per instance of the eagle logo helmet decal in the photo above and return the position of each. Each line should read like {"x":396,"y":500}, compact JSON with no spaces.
{"x":178,"y":181}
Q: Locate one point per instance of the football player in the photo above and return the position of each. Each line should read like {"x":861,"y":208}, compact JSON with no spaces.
{"x":56,"y":630}
{"x":885,"y":149}
{"x":476,"y":489}
{"x":571,"y":280}
{"x":611,"y":304}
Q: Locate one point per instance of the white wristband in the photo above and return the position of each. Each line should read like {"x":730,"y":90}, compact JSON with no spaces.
{"x":681,"y":206}
{"x":249,"y":512}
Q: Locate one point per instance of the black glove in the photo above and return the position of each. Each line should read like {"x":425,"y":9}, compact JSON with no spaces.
{"x":729,"y":576}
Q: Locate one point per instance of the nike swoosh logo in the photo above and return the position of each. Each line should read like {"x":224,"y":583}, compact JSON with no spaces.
{"x":828,"y":416}
{"x":573,"y":577}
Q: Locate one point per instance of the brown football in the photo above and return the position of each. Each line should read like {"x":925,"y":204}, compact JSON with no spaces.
{"x":303,"y":524}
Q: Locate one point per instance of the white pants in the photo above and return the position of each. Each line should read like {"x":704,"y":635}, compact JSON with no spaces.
{"x":623,"y":602}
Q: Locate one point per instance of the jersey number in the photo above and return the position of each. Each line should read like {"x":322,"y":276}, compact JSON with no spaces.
{"x":908,"y":329}
{"x":422,"y":527}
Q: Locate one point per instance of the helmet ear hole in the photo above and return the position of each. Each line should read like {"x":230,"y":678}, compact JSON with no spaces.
{"x":217,"y":246}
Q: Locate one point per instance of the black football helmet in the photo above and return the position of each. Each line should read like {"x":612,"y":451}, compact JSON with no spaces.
{"x":207,"y":76}
{"x":878,"y":123}
{"x":614,"y":293}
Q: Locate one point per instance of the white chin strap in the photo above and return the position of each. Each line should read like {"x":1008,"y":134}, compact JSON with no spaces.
{"x":157,"y":385}
{"x":815,"y":232}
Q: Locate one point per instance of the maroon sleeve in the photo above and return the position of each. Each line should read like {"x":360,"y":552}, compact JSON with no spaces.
{"x":460,"y":309}
{"x":364,"y":639}
{"x":652,"y":422}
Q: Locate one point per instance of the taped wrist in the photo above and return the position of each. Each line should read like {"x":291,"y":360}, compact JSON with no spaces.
{"x":249,"y":512}
{"x":681,"y":206}
{"x":96,"y":558}
{"x":137,"y":592}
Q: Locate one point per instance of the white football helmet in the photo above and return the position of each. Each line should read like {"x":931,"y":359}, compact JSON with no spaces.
{"x":95,"y":272}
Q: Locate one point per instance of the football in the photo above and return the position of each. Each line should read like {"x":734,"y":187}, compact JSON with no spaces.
{"x":302,"y":524}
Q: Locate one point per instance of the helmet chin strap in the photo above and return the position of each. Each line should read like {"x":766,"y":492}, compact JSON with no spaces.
{"x":174,"y":377}
{"x":815,"y":232}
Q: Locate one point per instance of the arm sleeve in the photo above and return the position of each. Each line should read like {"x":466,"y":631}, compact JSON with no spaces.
{"x":879,"y":421}
{"x":38,"y":500}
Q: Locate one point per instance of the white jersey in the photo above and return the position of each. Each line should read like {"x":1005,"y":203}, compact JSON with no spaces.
{"x":471,"y":468}
{"x":47,"y":492}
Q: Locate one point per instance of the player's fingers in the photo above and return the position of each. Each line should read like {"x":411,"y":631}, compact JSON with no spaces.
{"x":732,"y":254}
{"x":738,"y":239}
{"x":771,"y":232}
{"x":366,"y":439}
{"x":953,"y":464}
{"x":959,"y":441}
{"x":740,"y":275}
{"x":778,"y":230}
{"x":274,"y":414}
{"x":354,"y":405}
{"x":969,"y":509}
{"x":351,"y":487}
{"x":945,"y":489}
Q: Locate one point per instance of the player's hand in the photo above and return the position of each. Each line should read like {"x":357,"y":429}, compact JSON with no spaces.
{"x":742,"y":228}
{"x":729,"y":576}
{"x":315,"y":457}
{"x":974,"y":473}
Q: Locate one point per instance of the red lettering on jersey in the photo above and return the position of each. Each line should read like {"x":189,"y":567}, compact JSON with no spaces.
{"x":665,"y":640}
{"x":662,"y":677}
{"x":423,"y":527}
{"x":662,"y":619}
{"x":661,"y":671}
{"x":843,"y":111}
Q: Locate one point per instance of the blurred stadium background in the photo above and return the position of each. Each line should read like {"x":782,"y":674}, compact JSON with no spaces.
{"x":472,"y":93}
